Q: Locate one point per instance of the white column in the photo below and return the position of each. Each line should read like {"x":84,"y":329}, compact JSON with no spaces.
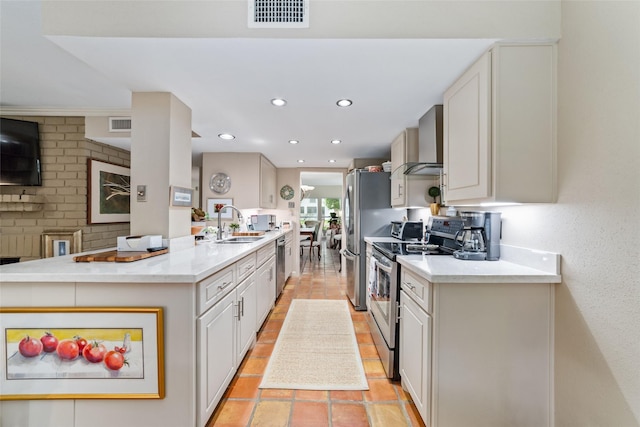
{"x":160,"y":158}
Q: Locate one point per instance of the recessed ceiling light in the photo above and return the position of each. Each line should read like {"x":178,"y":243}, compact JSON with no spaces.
{"x":336,"y":141}
{"x":344,"y":102}
{"x":293,"y":141}
{"x":226,"y":136}
{"x":332,"y":161}
{"x":279,"y":102}
{"x":300,"y":161}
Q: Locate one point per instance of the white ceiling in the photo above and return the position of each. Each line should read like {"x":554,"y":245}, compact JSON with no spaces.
{"x":229,"y":82}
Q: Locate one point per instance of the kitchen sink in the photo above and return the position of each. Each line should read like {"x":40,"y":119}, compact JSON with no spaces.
{"x":242,"y":239}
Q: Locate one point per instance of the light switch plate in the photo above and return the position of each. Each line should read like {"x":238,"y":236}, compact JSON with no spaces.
{"x":142,"y":193}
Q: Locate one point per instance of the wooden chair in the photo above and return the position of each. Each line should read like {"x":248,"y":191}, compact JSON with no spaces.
{"x":312,"y":243}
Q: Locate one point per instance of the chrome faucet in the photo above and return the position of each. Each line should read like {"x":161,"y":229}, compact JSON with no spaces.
{"x":219,"y":234}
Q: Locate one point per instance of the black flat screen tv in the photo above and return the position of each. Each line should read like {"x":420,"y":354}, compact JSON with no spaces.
{"x":19,"y":153}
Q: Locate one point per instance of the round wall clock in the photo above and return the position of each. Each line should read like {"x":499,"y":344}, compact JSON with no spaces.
{"x":286,"y":192}
{"x":220,"y":183}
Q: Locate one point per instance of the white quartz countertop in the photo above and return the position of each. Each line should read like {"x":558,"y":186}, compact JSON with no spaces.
{"x":447,"y":269}
{"x":516,"y":265}
{"x":183,"y":266}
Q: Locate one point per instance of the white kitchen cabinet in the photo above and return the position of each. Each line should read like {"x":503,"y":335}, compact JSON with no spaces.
{"x":217,"y":357}
{"x":246,"y":299}
{"x":268,"y":182}
{"x":477,"y":354}
{"x":500,"y":128}
{"x":252,"y":176}
{"x":266,"y":290}
{"x":288,"y":254}
{"x":415,"y":353}
{"x":407,"y":190}
{"x":226,"y":330}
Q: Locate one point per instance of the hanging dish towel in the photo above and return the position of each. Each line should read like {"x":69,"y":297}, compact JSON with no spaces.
{"x":373,"y":277}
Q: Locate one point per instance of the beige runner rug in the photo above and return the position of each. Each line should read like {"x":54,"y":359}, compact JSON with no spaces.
{"x":316,"y":349}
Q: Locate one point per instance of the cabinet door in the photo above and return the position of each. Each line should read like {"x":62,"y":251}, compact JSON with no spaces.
{"x":398,"y":180}
{"x":266,"y":290}
{"x":246,"y":315}
{"x":268,"y":184}
{"x":467,"y":142}
{"x":415,"y":354}
{"x":288,"y":259}
{"x":216,"y":362}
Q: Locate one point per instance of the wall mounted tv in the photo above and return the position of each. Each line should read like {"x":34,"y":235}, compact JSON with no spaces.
{"x":19,"y":153}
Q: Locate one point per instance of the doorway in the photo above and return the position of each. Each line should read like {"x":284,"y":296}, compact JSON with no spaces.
{"x":321,"y":201}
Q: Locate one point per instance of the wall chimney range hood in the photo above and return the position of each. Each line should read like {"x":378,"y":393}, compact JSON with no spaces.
{"x":430,"y":145}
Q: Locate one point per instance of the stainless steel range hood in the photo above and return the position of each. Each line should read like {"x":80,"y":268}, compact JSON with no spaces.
{"x":430,"y":145}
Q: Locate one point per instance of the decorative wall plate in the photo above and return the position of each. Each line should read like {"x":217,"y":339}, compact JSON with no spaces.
{"x":220,"y":183}
{"x":286,"y":192}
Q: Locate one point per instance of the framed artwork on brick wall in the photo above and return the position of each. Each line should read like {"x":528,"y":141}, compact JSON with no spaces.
{"x":109,"y":192}
{"x":51,"y":242}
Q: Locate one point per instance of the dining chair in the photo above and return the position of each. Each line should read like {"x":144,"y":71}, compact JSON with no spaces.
{"x":312,"y":243}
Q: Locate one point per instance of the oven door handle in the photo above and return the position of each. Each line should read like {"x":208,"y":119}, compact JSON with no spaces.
{"x":347,"y":256}
{"x":384,"y":267}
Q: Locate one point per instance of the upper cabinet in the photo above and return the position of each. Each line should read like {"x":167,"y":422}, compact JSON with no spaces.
{"x":268,"y":184}
{"x":253,"y":179}
{"x":407,"y":190}
{"x":500,"y":128}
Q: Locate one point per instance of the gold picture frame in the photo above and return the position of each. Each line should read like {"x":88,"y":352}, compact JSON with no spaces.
{"x":73,"y":237}
{"x":61,"y":371}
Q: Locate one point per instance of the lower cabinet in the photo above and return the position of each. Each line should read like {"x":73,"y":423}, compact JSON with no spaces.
{"x":216,"y":366}
{"x":288,"y":255}
{"x":266,"y":290}
{"x":477,"y":354}
{"x":415,"y":354}
{"x":224,"y":334}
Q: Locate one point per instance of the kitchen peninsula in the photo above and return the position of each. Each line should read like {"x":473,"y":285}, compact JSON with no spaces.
{"x":214,"y":299}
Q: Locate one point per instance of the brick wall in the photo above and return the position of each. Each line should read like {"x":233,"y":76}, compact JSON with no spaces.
{"x":63,"y":193}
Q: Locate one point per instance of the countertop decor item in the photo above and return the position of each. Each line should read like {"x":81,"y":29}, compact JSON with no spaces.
{"x":435,"y":206}
{"x":220,"y":183}
{"x":286,"y":192}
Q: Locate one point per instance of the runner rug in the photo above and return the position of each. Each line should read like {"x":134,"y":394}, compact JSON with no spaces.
{"x":316,"y":349}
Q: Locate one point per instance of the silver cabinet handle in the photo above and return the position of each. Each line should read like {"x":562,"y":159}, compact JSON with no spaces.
{"x":410,"y":286}
{"x":242,"y":306}
{"x":224,"y":285}
{"x":237,"y":306}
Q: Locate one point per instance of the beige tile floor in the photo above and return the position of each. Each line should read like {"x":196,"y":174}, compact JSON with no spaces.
{"x":385,"y":404}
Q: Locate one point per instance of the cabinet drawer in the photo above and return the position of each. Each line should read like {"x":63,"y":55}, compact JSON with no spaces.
{"x":214,"y":287}
{"x":245,"y":267}
{"x":418,"y":288}
{"x":266,"y":252}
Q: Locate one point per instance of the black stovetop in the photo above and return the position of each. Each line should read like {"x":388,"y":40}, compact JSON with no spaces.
{"x":393,"y":249}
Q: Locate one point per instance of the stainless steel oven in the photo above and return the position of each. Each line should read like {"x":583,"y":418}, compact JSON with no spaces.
{"x":384,"y":279}
{"x":383,"y":314}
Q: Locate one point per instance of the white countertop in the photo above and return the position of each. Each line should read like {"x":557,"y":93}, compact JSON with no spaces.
{"x":447,"y":269}
{"x":516,"y":265}
{"x":183,"y":266}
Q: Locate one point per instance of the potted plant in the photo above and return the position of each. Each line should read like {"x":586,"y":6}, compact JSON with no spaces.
{"x":435,"y":206}
{"x":234,"y":227}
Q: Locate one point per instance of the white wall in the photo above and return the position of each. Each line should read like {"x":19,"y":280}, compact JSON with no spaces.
{"x":594,"y":224}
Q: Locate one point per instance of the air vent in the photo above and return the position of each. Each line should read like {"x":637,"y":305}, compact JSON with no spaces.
{"x":119,"y":124}
{"x":278,"y":13}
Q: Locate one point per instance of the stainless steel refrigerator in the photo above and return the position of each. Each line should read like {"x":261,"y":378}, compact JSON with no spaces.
{"x":367,"y":212}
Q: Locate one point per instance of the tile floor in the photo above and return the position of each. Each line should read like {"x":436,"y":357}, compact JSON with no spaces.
{"x":385,"y":404}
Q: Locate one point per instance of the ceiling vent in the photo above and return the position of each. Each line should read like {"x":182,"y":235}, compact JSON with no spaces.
{"x":278,"y":13}
{"x":119,"y":124}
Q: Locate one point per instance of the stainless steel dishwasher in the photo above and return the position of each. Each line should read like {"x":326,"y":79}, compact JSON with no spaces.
{"x":280,"y":275}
